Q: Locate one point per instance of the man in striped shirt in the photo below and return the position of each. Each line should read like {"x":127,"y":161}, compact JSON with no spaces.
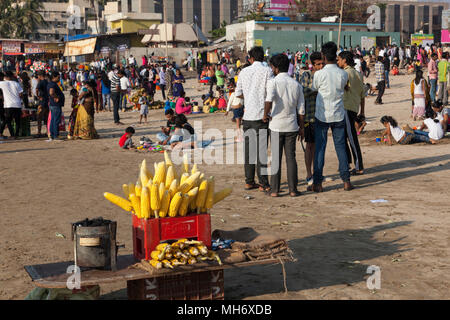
{"x":380,"y":76}
{"x":115,"y":95}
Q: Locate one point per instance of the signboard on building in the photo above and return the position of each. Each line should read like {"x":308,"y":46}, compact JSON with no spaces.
{"x":445,"y":36}
{"x":81,"y":47}
{"x":258,"y":43}
{"x":53,"y":47}
{"x":282,"y":5}
{"x":422,"y":39}
{"x":33,"y":48}
{"x":11,"y":47}
{"x":368,"y":42}
{"x":122,"y":47}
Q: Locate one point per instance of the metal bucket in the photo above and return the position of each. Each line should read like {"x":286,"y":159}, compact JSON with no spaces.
{"x":95,"y":243}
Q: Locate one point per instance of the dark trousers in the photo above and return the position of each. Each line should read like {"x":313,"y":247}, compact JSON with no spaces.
{"x":256,"y":135}
{"x":380,"y":85}
{"x":9,"y":115}
{"x":115,"y":97}
{"x":352,"y":140}
{"x":163,"y":90}
{"x":278,"y":142}
{"x":55,"y":121}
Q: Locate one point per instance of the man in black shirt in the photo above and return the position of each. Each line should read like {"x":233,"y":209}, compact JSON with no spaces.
{"x":164,"y":136}
{"x":56,"y":103}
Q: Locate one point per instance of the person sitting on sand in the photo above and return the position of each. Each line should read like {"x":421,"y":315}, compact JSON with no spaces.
{"x":360,"y":124}
{"x":181,"y":106}
{"x":184,"y":137}
{"x":435,"y":131}
{"x":442,"y":114}
{"x":164,"y":136}
{"x":125,"y":141}
{"x":400,"y":135}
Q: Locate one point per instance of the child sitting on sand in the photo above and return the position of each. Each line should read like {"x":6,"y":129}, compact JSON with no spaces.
{"x":125,"y":141}
{"x":209,"y":104}
{"x":360,"y":123}
{"x":184,"y":136}
{"x":435,"y":131}
{"x":400,"y":135}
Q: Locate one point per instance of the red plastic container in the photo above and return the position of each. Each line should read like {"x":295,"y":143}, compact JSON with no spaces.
{"x":147,"y":234}
{"x":206,"y":285}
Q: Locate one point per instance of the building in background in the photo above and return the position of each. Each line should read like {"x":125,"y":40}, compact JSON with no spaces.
{"x":57,"y":16}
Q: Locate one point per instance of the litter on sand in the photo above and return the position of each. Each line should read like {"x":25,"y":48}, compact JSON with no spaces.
{"x":378,"y":200}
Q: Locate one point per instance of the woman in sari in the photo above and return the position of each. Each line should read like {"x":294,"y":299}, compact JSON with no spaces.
{"x":84,"y":124}
{"x":178,"y":81}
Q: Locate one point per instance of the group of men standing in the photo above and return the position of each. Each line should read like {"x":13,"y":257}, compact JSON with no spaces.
{"x":279,"y":107}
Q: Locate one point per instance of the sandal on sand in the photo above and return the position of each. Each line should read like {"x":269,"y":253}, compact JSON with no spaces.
{"x":251,"y":186}
{"x":356,"y":173}
{"x":295,"y":194}
{"x":315,"y":188}
{"x":264,"y":189}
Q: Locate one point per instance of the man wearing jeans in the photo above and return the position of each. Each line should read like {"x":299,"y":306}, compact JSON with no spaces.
{"x":56,"y":102}
{"x":432,"y":76}
{"x":330,"y":83}
{"x":115,"y":95}
{"x":251,"y":86}
{"x":12,"y":104}
{"x":286,"y":105}
{"x":380,"y":77}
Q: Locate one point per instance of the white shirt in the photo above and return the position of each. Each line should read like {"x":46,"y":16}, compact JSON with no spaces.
{"x":124,"y":83}
{"x":130,"y":60}
{"x":397,"y":133}
{"x":381,"y":53}
{"x":286,"y":95}
{"x":357,"y":64}
{"x":330,"y":83}
{"x":34,"y":83}
{"x":11,"y":94}
{"x":110,"y":75}
{"x":434,"y":128}
{"x":252,"y":83}
{"x":234,"y":101}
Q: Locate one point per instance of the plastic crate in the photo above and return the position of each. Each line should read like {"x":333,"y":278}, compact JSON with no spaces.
{"x":206,"y":285}
{"x":147,"y":234}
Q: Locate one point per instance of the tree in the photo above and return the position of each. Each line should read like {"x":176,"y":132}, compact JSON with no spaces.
{"x":220,"y":32}
{"x":20,"y":19}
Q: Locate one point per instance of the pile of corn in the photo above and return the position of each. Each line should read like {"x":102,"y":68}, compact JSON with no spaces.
{"x":181,"y":252}
{"x":167,"y":194}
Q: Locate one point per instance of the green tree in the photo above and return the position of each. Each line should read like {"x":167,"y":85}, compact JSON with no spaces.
{"x":220,"y":32}
{"x":20,"y":19}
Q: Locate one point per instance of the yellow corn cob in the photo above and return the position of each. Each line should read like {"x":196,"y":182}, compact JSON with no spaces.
{"x":202,"y":193}
{"x":203,"y":249}
{"x":175,"y":262}
{"x":186,"y":253}
{"x":186,"y":163}
{"x":136,"y":202}
{"x":165,"y":203}
{"x":192,"y":260}
{"x":168,"y":255}
{"x":131,"y":189}
{"x":182,"y":243}
{"x":183,"y":261}
{"x":149,"y":184}
{"x":189,"y":183}
{"x":175,"y":204}
{"x":193,"y":251}
{"x":194,"y":169}
{"x":219,"y":196}
{"x":161,"y":190}
{"x":192,"y":198}
{"x":167,"y":264}
{"x":184,"y":205}
{"x":125,"y":190}
{"x":155,"y":200}
{"x":173,"y":187}
{"x":119,"y":201}
{"x":143,"y":167}
{"x":170,"y":176}
{"x":214,"y":256}
{"x":145,"y":203}
{"x":179,"y":254}
{"x":155,"y":165}
{"x":162,"y":246}
{"x":194,"y":242}
{"x":157,"y":255}
{"x":202,"y":176}
{"x":184,"y":176}
{"x":143,"y":175}
{"x":210,"y":195}
{"x":160,"y":173}
{"x":138,"y":188}
{"x":167,"y":159}
{"x":156,"y":264}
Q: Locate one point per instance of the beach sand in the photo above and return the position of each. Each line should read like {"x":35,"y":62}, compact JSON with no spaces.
{"x":335,"y":235}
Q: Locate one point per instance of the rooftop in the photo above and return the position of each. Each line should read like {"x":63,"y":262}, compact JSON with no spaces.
{"x":313,"y":23}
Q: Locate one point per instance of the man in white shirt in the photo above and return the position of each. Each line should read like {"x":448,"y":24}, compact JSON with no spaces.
{"x":251,"y":86}
{"x":125,"y":85}
{"x":131,"y":60}
{"x":286,"y":105}
{"x":330,"y":82}
{"x":12,"y":103}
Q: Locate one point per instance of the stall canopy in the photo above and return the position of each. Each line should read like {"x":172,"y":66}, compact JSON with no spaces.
{"x":80,"y":47}
{"x":181,"y":32}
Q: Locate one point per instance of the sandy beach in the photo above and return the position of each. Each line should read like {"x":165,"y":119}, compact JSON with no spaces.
{"x":335,"y":235}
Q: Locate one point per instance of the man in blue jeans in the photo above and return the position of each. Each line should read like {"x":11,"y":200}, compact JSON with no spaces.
{"x":56,"y":102}
{"x":330,"y":82}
